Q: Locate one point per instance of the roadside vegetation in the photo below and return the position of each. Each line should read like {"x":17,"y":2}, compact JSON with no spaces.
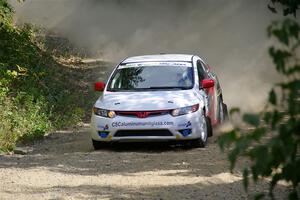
{"x":273,"y":143}
{"x":37,"y":92}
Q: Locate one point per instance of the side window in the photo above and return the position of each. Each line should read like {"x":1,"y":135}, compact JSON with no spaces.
{"x":201,"y":72}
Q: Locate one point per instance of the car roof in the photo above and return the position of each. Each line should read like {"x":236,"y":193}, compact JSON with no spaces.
{"x":160,"y":57}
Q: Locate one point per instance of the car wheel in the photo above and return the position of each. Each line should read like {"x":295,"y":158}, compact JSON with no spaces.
{"x":209,"y":127}
{"x":221,"y":111}
{"x":99,"y":145}
{"x":201,"y":142}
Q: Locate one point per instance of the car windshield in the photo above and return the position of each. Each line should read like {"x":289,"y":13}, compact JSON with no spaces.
{"x":152,"y":76}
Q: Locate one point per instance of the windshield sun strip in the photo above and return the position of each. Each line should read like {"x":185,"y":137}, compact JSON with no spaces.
{"x":148,"y":89}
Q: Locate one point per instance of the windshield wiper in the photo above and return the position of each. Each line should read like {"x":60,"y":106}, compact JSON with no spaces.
{"x":168,"y":87}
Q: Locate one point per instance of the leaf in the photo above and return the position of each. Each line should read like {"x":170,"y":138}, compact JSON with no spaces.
{"x":227,"y":139}
{"x":293,"y":70}
{"x":272,"y":97}
{"x":245,"y":178}
{"x":273,"y":183}
{"x":294,"y":30}
{"x":257,"y":134}
{"x":252,"y":119}
{"x":272,"y":9}
{"x":276,"y":117}
{"x":280,"y":58}
{"x":286,"y":11}
{"x":267,"y":117}
{"x":254,"y":174}
{"x":234,"y":110}
{"x":232,"y":156}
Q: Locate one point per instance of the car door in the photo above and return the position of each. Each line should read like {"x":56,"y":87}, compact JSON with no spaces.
{"x":204,"y":73}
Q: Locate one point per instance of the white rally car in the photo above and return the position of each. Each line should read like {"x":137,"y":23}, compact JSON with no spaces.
{"x":167,"y":97}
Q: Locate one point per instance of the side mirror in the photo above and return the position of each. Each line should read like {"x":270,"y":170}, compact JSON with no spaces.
{"x":207,"y":83}
{"x":99,"y":86}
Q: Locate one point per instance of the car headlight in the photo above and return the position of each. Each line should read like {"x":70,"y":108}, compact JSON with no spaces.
{"x":104,"y":113}
{"x":184,"y":110}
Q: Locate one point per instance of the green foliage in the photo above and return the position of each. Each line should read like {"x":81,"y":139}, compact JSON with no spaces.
{"x":289,"y":6}
{"x":6,"y":13}
{"x":273,"y":145}
{"x":21,"y":118}
{"x":35,"y":93}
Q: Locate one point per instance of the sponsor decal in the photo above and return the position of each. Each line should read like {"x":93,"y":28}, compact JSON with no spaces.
{"x":152,"y":124}
{"x":103,"y":134}
{"x":104,"y":128}
{"x":185,"y":132}
{"x":186,"y":124}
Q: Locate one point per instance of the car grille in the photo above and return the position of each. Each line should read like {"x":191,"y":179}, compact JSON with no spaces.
{"x":142,"y":114}
{"x":132,"y":133}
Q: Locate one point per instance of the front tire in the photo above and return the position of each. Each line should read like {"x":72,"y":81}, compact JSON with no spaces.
{"x":201,"y":142}
{"x":209,"y":127}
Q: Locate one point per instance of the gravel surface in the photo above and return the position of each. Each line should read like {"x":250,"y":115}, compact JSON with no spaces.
{"x":65,"y":166}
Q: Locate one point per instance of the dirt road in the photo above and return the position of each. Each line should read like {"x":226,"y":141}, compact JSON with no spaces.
{"x":64,"y":166}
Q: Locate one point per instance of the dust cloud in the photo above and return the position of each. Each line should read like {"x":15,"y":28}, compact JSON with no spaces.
{"x":229,"y":34}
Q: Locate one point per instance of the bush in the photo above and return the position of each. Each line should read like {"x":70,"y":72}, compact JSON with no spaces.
{"x":22,"y":118}
{"x":37,"y":94}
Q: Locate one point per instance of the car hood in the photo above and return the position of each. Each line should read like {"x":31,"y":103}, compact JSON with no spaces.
{"x":152,"y":100}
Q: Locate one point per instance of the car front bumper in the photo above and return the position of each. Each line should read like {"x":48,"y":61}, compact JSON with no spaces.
{"x":156,"y":128}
